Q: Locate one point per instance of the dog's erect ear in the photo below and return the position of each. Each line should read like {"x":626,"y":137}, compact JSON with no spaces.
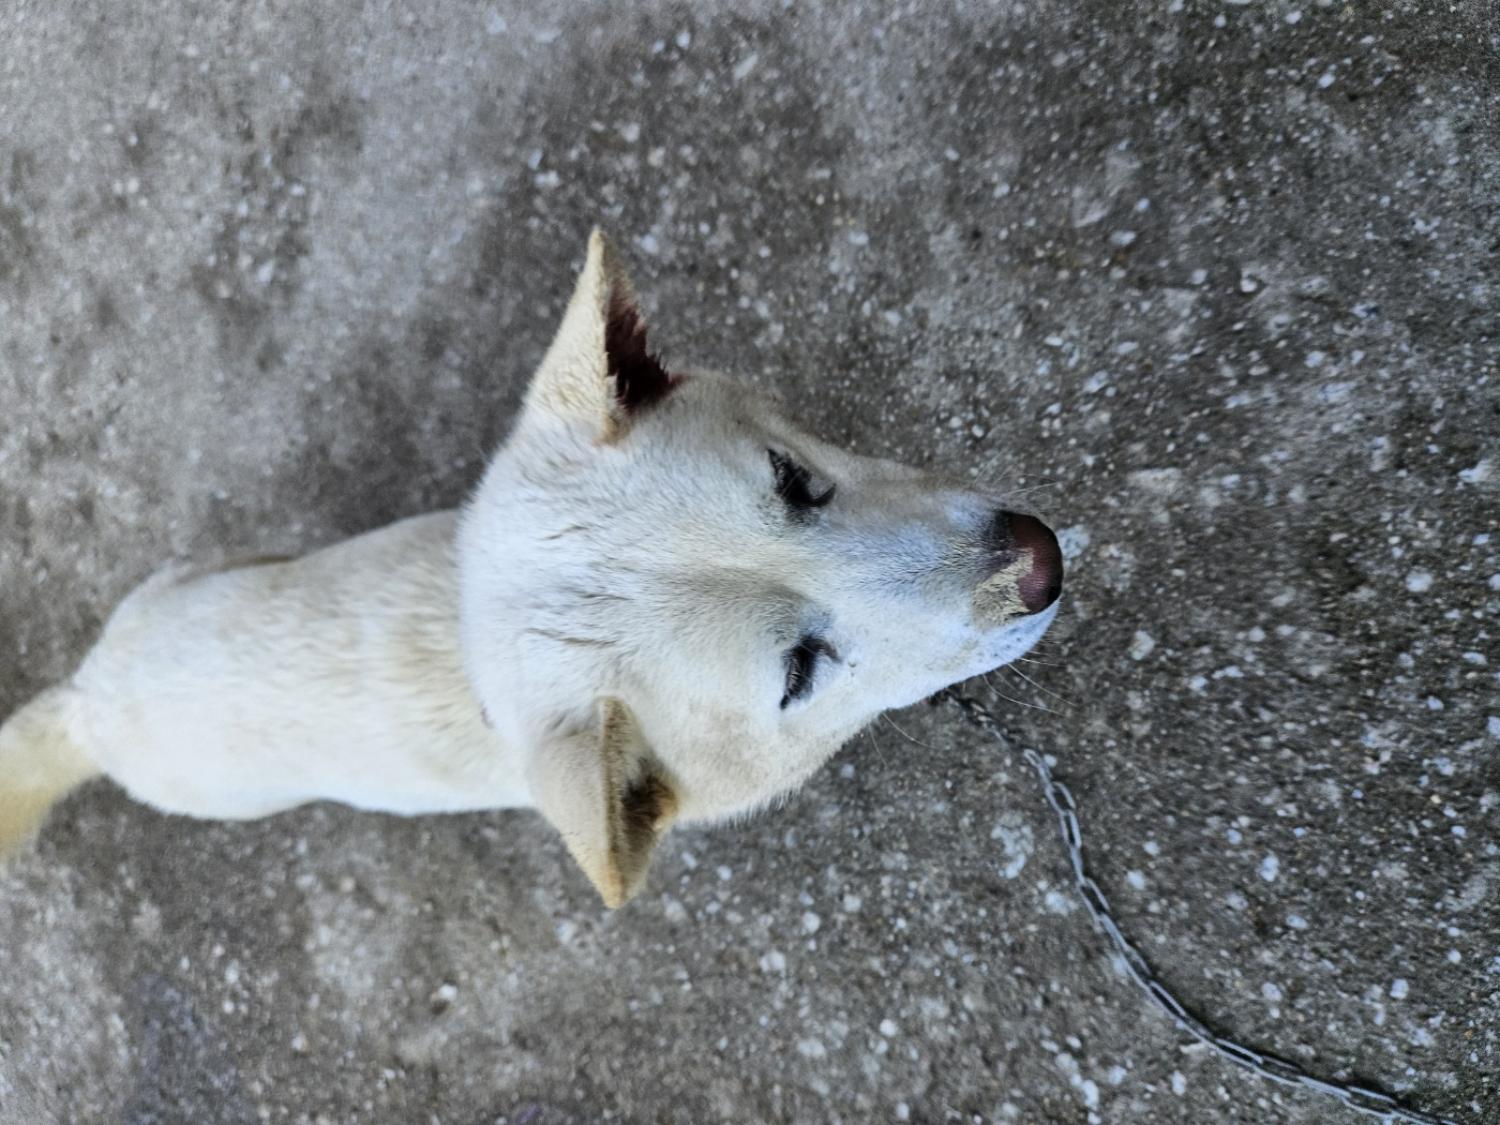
{"x":609,"y":797}
{"x":598,"y":373}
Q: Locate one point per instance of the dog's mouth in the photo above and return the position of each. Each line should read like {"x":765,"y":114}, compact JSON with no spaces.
{"x":1015,"y":641}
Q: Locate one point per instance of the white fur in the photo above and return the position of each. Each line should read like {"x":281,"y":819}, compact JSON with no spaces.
{"x":602,"y":631}
{"x":336,"y":676}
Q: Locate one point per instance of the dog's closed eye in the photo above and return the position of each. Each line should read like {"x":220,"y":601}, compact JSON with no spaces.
{"x":801,"y":661}
{"x":794,"y":484}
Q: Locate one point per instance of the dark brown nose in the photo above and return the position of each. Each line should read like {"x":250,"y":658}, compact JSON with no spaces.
{"x":1014,"y":534}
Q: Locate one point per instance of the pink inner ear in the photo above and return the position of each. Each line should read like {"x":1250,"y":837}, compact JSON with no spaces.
{"x":640,"y":379}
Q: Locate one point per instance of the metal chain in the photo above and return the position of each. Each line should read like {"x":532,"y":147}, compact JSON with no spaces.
{"x":1361,"y":1099}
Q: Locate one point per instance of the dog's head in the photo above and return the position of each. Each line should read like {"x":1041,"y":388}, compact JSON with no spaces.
{"x":680,"y":604}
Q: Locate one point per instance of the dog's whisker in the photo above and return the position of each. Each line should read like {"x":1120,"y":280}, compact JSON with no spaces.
{"x":1061,"y":699}
{"x":881,"y":752}
{"x":903,"y":734}
{"x":1030,"y":489}
{"x":1017,"y":702}
{"x":1000,"y":488}
{"x":1034,"y":660}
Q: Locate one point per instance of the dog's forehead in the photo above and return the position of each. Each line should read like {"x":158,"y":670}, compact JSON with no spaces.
{"x":696,"y":472}
{"x":712,"y":419}
{"x":730,"y":619}
{"x":712,"y":412}
{"x":732,"y":612}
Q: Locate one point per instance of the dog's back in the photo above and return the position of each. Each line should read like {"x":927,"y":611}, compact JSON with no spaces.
{"x":241,"y":692}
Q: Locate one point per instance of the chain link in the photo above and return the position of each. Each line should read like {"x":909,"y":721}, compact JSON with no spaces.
{"x":1361,"y":1099}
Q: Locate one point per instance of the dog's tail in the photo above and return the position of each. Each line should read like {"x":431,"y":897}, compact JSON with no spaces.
{"x":39,"y":765}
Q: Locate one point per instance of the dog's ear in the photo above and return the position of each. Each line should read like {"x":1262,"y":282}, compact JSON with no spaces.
{"x":604,"y":791}
{"x":598,"y":373}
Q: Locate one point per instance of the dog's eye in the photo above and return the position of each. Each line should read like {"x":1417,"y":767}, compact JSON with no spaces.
{"x":801,"y":662}
{"x":794,"y":484}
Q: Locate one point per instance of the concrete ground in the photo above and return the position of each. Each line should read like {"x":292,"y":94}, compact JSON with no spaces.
{"x":1215,"y":282}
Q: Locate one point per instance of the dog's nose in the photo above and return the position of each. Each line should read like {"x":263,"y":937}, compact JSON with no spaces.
{"x":1016,"y":537}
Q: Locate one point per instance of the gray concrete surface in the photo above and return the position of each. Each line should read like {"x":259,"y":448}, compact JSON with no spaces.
{"x":1215,"y":282}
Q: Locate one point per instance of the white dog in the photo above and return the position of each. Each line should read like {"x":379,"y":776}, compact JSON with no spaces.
{"x":663,"y":602}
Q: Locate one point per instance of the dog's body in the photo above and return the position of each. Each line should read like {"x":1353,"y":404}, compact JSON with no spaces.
{"x":653,"y":608}
{"x":354,"y":650}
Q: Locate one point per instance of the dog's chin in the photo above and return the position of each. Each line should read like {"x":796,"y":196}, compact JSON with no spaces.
{"x":1018,"y":638}
{"x":1009,"y":643}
